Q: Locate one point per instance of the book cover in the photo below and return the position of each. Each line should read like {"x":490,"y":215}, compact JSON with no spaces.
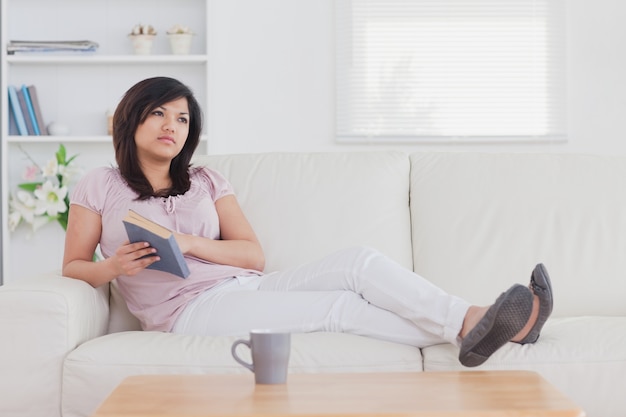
{"x":32,"y":91}
{"x":17,"y":111}
{"x":24,"y":108}
{"x":140,"y":229}
{"x":31,"y":111}
{"x":12,"y":124}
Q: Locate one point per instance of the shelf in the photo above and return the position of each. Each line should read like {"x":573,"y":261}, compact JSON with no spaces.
{"x":56,"y":139}
{"x":67,"y":139}
{"x":79,"y":89}
{"x":94,"y":59}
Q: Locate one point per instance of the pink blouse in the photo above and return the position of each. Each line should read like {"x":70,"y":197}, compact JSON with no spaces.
{"x":156,"y":298}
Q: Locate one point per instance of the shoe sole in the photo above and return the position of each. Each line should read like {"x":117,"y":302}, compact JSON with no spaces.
{"x":542,"y":287}
{"x":502,"y":321}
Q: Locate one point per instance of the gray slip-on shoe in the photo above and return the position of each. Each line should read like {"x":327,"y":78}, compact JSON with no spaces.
{"x":502,"y":321}
{"x":542,"y":287}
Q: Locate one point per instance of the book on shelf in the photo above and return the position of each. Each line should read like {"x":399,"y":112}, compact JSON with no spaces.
{"x":141,"y":229}
{"x":35,"y":46}
{"x":32,"y":91}
{"x":16,"y":110}
{"x":12,"y":124}
{"x":31,"y":110}
{"x":21,"y":97}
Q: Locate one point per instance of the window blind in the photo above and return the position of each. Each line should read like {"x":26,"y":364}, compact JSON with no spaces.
{"x":467,"y":70}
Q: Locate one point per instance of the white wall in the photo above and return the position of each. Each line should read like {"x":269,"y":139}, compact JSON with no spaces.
{"x":272,"y":82}
{"x":271,"y":89}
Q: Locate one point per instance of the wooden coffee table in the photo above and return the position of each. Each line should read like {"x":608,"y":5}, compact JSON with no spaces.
{"x":419,"y":394}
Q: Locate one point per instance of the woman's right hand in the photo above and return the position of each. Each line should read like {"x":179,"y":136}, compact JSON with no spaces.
{"x":131,"y":258}
{"x":84,"y":230}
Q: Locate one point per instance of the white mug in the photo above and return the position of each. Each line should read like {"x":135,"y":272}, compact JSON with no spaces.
{"x":270,"y":355}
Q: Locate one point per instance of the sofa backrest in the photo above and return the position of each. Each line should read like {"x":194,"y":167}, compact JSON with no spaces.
{"x":482,"y":221}
{"x":478,"y":221}
{"x":306,"y":205}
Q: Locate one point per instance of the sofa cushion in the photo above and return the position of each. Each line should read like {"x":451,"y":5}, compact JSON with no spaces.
{"x":120,"y":317}
{"x":584,"y":357}
{"x":95,"y":368}
{"x":306,"y":205}
{"x":41,"y":319}
{"x":483,"y":221}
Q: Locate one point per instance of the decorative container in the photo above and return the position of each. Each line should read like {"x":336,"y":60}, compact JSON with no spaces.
{"x":180,"y":39}
{"x":180,"y":43}
{"x":142,"y":37}
{"x":142,"y":44}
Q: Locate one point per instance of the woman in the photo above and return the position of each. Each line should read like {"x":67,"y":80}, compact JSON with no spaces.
{"x":157,"y":127}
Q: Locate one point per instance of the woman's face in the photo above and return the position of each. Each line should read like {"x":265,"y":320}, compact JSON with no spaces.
{"x":164,"y":132}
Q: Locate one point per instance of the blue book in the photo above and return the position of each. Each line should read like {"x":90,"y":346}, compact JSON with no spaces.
{"x":31,"y":110}
{"x":24,"y":107}
{"x":17,"y":111}
{"x":12,"y":123}
{"x":32,"y":91}
{"x":140,"y":229}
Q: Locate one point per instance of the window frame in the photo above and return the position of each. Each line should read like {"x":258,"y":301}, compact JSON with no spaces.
{"x":345,"y":18}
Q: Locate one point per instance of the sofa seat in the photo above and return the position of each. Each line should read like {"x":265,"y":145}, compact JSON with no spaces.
{"x":579,"y":355}
{"x":100,"y":364}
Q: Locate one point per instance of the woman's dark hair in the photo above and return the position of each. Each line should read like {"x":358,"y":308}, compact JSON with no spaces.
{"x":136,"y":105}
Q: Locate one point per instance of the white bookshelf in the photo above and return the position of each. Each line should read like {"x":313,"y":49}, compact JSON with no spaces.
{"x":105,"y":60}
{"x":78,"y":91}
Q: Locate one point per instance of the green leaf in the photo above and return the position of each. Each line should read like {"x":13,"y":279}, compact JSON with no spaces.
{"x":29,"y":186}
{"x":71,"y":159}
{"x":63,"y":221}
{"x":61,"y":155}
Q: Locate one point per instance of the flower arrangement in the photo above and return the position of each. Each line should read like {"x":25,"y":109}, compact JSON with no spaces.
{"x":142,"y":37}
{"x":140,"y":29}
{"x":179,"y":30}
{"x":38,"y":202}
{"x":180,"y":39}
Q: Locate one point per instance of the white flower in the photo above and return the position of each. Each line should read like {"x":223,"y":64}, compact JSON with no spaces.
{"x":22,"y":207}
{"x":50,"y":199}
{"x":69,"y":172}
{"x":178,"y":29}
{"x":14,"y":220}
{"x":51,"y":168}
{"x":40,"y":221}
{"x":25,"y":204}
{"x":143,"y":30}
{"x":40,"y":202}
{"x":15,"y":216}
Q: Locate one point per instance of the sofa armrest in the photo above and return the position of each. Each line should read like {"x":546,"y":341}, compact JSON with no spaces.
{"x":42,"y":319}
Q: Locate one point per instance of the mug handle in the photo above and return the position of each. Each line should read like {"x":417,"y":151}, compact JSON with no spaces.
{"x":233,"y":350}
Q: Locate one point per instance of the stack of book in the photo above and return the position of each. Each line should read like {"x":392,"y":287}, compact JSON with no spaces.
{"x":51,"y":46}
{"x":25,"y":117}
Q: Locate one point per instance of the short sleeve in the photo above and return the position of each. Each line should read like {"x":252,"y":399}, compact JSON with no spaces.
{"x":90,"y":191}
{"x":215,"y":183}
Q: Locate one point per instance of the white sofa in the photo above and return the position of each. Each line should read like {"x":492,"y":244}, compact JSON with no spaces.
{"x":472,"y":223}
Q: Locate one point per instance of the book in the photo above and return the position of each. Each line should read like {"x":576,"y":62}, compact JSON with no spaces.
{"x":17,"y":111}
{"x":36,"y":46}
{"x":141,"y":229}
{"x":32,"y":91}
{"x":12,"y":124}
{"x":31,"y":111}
{"x":24,"y":106}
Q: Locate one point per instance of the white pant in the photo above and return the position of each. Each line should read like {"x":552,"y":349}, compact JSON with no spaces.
{"x":357,"y":290}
